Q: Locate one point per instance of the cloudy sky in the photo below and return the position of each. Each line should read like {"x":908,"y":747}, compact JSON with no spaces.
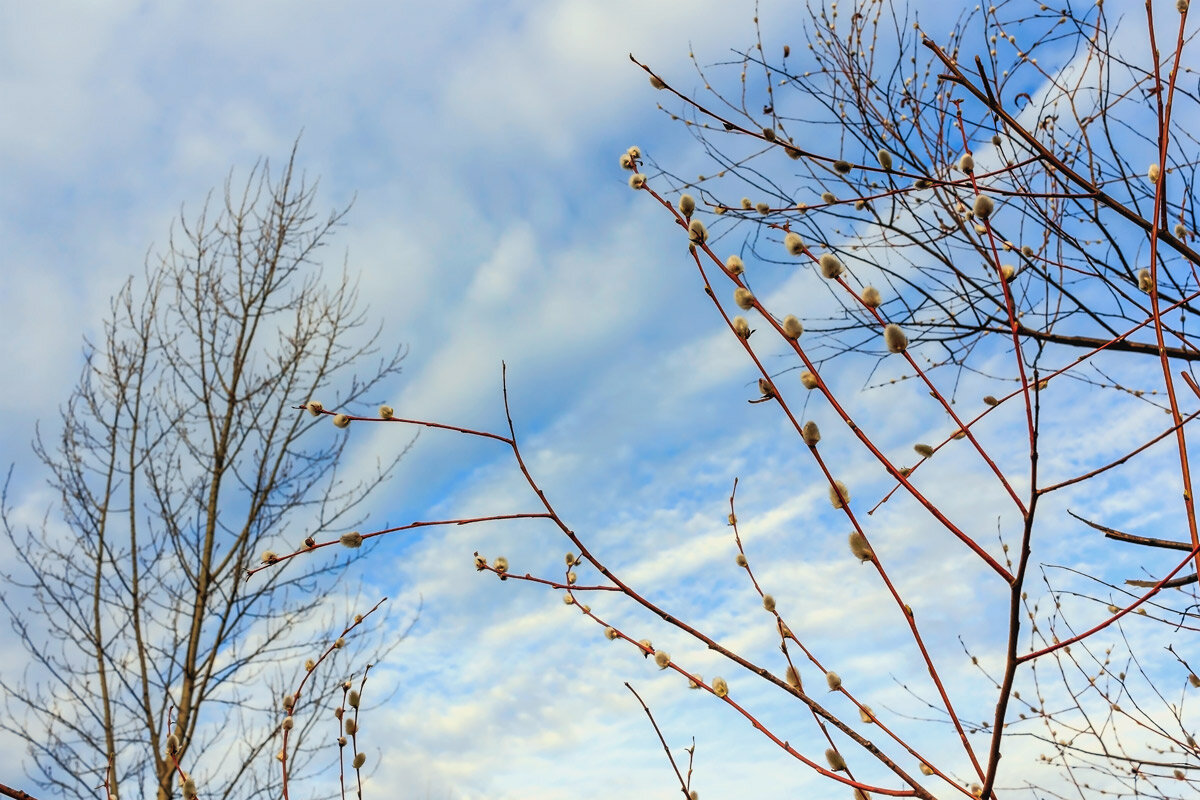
{"x":490,"y":223}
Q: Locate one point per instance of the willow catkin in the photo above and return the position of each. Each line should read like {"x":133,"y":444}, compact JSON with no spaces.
{"x":833,"y":680}
{"x":734,"y":265}
{"x":842,"y":167}
{"x":811,"y":433}
{"x":885,"y":158}
{"x":741,"y":327}
{"x":792,"y":327}
{"x":744,"y":298}
{"x":983,"y":206}
{"x":895,"y":339}
{"x":1145,"y":280}
{"x":859,"y":547}
{"x":794,"y":244}
{"x":697,"y":233}
{"x":923,"y":450}
{"x":687,"y":205}
{"x":836,"y":762}
{"x":839,"y":495}
{"x":966,"y":163}
{"x":831,"y":265}
{"x":871,"y":297}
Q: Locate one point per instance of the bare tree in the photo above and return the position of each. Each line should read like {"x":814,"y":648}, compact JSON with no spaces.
{"x":1005,"y":207}
{"x":178,"y":461}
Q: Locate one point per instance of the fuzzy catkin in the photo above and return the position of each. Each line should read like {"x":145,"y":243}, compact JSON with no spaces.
{"x":697,"y":233}
{"x":811,"y":433}
{"x":836,"y":762}
{"x":833,"y":680}
{"x":794,"y":244}
{"x":885,"y":158}
{"x":895,"y":339}
{"x":859,"y":547}
{"x":792,"y":327}
{"x":983,"y":206}
{"x":734,"y":265}
{"x":744,"y":298}
{"x":687,"y":205}
{"x":831,"y":265}
{"x":839,"y":495}
{"x":871,"y":297}
{"x":809,"y":380}
{"x":720,"y":687}
{"x":741,"y":327}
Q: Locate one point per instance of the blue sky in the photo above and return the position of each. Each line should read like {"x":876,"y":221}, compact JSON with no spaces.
{"x":479,"y":142}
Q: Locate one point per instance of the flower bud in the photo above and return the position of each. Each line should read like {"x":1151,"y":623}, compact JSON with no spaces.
{"x":762,"y":207}
{"x":991,"y":401}
{"x":635,"y":152}
{"x":625,"y":161}
{"x":189,"y":789}
{"x":768,"y":134}
{"x":351,"y":726}
{"x":637,"y":180}
{"x":687,"y":205}
{"x":1153,"y":173}
{"x":741,"y":327}
{"x":315,"y":407}
{"x":926,"y":769}
{"x":831,"y":265}
{"x":859,"y":547}
{"x":792,"y":327}
{"x":386,"y":412}
{"x":834,"y":681}
{"x":341,"y":421}
{"x":734,"y":265}
{"x":839,"y":495}
{"x":895,"y":339}
{"x":1145,"y":280}
{"x":501,"y":564}
{"x":740,"y":559}
{"x":871,"y":297}
{"x":697,"y":233}
{"x":768,"y":602}
{"x":885,"y":158}
{"x":836,"y":762}
{"x":794,"y":244}
{"x":828,"y":197}
{"x":720,"y":687}
{"x":746,"y":204}
{"x":810,"y":433}
{"x":744,"y":298}
{"x":359,"y":760}
{"x":967,"y":163}
{"x":269,"y":557}
{"x":793,"y":678}
{"x":352,"y":539}
{"x":662,"y":658}
{"x":842,"y":167}
{"x":610,"y":633}
{"x":983,"y":206}
{"x":657,"y":82}
{"x":923,"y":450}
{"x":866,"y":714}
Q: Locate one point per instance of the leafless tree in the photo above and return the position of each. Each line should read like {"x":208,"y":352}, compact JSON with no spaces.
{"x":180,"y":457}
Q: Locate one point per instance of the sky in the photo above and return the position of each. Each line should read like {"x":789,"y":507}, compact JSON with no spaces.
{"x":491,"y":223}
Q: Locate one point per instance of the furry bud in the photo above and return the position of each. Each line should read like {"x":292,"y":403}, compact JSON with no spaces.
{"x":966,"y":163}
{"x":697,"y":233}
{"x":662,"y":658}
{"x":637,"y":180}
{"x":386,"y":412}
{"x":809,"y":380}
{"x":734,"y":265}
{"x":895,"y":339}
{"x":859,"y":547}
{"x":1145,"y":280}
{"x":811,"y":433}
{"x":314,"y":407}
{"x":871,"y":297}
{"x":352,"y":539}
{"x":741,"y":327}
{"x":836,"y":762}
{"x":885,"y":158}
{"x":792,"y":327}
{"x":839,"y":495}
{"x":831,"y":265}
{"x":833,"y":680}
{"x":842,"y":167}
{"x":720,"y":687}
{"x":744,"y":298}
{"x":341,"y":421}
{"x":923,"y":450}
{"x":1153,"y":173}
{"x":687,"y":205}
{"x":983,"y":206}
{"x":768,"y":602}
{"x":794,"y":244}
